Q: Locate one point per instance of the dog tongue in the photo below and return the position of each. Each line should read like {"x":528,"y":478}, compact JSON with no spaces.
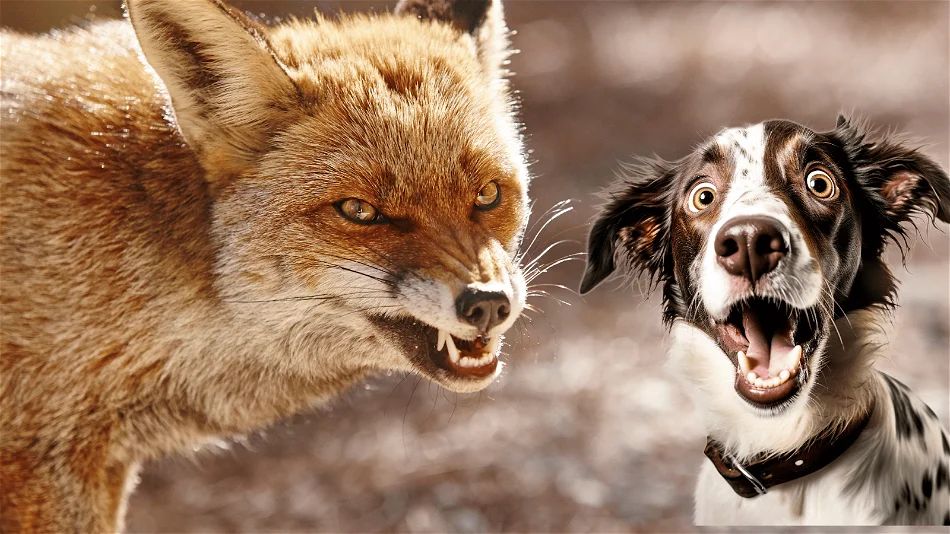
{"x":770,"y":345}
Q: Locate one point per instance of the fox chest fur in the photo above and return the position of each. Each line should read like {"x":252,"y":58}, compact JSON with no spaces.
{"x":185,"y":256}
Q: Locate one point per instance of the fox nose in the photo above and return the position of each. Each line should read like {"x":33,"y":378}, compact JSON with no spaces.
{"x":751,"y":246}
{"x":483,"y":309}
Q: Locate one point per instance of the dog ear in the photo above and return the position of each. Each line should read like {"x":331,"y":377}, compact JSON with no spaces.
{"x":229,"y":91}
{"x":900,"y":181}
{"x":483,"y":20}
{"x":633,"y":223}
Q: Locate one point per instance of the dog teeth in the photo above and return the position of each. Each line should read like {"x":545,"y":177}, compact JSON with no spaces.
{"x":796,"y":356}
{"x":744,"y":363}
{"x":744,"y":368}
{"x":769,"y":382}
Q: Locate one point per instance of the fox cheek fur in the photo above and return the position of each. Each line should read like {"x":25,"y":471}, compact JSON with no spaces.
{"x":278,"y":212}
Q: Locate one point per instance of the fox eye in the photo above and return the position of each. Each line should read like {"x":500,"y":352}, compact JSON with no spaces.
{"x":821,"y":184}
{"x":701,"y":197}
{"x":359,"y":211}
{"x":488,"y":196}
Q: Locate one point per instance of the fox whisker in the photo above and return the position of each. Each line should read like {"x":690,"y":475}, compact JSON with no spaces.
{"x":547,"y":249}
{"x":557,"y":205}
{"x":539,"y":270}
{"x":559,"y":209}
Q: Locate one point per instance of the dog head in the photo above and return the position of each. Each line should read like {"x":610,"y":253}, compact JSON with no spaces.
{"x":367,"y":175}
{"x":761,"y":239}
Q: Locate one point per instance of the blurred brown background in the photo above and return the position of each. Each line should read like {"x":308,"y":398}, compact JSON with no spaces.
{"x":586,"y":431}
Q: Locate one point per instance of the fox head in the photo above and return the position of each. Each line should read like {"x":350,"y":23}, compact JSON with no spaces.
{"x":367,"y":175}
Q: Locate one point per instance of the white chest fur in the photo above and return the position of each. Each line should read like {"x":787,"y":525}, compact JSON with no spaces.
{"x":818,"y":499}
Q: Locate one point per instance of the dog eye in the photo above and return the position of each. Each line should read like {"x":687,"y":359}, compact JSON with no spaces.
{"x":359,"y":211}
{"x":701,"y":197}
{"x":488,"y":197}
{"x":821,"y":185}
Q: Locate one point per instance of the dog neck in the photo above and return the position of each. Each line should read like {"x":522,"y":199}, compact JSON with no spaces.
{"x":751,"y":479}
{"x":842,"y":392}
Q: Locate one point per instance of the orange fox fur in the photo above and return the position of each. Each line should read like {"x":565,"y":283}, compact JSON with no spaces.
{"x":175,"y":264}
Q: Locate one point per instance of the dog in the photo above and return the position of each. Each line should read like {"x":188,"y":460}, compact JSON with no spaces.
{"x":767,"y":241}
{"x":209,"y":223}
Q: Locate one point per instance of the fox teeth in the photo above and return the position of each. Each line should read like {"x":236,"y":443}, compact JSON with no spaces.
{"x":454,"y":354}
{"x":446,"y":340}
{"x":482,"y":361}
{"x":442,"y":336}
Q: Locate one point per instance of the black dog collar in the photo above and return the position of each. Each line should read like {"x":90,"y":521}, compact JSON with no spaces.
{"x":754,"y":478}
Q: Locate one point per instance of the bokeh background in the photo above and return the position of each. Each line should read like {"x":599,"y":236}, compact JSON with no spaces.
{"x":586,"y":431}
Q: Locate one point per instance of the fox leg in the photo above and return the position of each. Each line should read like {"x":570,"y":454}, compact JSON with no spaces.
{"x":53,"y":494}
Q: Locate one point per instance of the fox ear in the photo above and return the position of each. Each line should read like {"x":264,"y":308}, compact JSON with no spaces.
{"x":900,"y":181}
{"x":634,"y":220}
{"x":484,"y":20}
{"x":229,"y":91}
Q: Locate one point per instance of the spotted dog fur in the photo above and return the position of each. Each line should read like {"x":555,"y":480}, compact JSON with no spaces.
{"x":834,"y":293}
{"x":917,"y":426}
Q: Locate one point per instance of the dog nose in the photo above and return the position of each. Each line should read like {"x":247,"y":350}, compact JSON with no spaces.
{"x":751,"y":246}
{"x":483,"y":309}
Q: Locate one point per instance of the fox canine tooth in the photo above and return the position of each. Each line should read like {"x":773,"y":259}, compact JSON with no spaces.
{"x":441,"y":342}
{"x":751,"y":377}
{"x":453,"y":350}
{"x":784,"y":375}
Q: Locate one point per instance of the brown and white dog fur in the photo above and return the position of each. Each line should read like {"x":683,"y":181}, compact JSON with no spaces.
{"x":278,"y":213}
{"x":768,"y":241}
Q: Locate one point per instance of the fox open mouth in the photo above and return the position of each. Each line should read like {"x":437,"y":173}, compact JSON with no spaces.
{"x":768,"y":341}
{"x":466,"y":357}
{"x":450,"y":360}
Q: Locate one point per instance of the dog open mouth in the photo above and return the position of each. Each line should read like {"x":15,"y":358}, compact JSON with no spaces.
{"x":768,"y":342}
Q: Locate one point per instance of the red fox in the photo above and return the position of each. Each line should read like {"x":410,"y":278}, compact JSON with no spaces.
{"x":209,"y":223}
